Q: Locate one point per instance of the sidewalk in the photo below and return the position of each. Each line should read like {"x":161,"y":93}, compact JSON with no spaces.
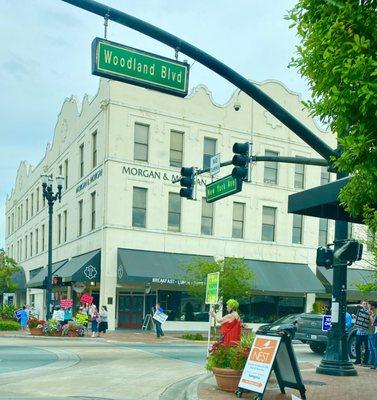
{"x":131,"y":336}
{"x":318,"y":387}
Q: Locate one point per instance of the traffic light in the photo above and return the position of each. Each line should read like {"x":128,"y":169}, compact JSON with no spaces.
{"x":57,"y":280}
{"x":325,"y":257}
{"x":188,"y":183}
{"x":241,"y":161}
{"x":350,"y":252}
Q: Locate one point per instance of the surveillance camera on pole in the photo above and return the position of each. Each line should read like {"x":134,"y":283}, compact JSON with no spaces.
{"x":188,"y":183}
{"x":241,"y":161}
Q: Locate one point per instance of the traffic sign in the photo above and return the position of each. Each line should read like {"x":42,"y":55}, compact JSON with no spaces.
{"x":212,"y":289}
{"x":126,"y":64}
{"x":222,"y":188}
{"x":326,"y":323}
{"x":215,"y":164}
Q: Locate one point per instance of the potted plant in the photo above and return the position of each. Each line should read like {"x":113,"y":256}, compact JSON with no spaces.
{"x":52,"y":328}
{"x":228,"y":361}
{"x":36,"y":326}
{"x":73,"y":329}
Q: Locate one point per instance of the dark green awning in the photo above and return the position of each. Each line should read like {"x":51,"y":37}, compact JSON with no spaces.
{"x":354,"y":276}
{"x":37,"y":281}
{"x":82,"y":268}
{"x":321,"y":202}
{"x":154,"y":266}
{"x":283,"y":277}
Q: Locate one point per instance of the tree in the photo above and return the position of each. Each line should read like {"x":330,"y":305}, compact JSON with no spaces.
{"x":8,"y":267}
{"x":337,"y":56}
{"x":235,"y":277}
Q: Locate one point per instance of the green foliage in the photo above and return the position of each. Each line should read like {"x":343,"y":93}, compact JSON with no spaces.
{"x":9,"y":325}
{"x":81,"y":319}
{"x":73,"y":328}
{"x":35,"y":323}
{"x":8,"y":267}
{"x":235,"y":277}
{"x":318,"y":307}
{"x":227,"y":356}
{"x":193,"y":336}
{"x":337,"y":56}
{"x":7,"y":311}
{"x":51,"y":326}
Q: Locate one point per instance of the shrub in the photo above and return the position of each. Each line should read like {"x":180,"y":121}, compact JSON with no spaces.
{"x":230,"y":356}
{"x":193,"y":336}
{"x":81,"y":319}
{"x":73,"y":328}
{"x":9,"y":325}
{"x":51,"y":326}
{"x":7,"y":311}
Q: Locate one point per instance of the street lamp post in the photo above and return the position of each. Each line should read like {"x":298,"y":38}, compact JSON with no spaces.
{"x":51,"y":198}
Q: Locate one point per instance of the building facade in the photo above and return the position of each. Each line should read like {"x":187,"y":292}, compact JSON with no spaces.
{"x":121,"y":230}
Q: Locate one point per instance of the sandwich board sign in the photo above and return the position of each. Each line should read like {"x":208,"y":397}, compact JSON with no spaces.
{"x":271,"y":352}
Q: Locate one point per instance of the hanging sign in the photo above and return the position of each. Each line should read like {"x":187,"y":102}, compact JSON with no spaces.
{"x":137,"y":67}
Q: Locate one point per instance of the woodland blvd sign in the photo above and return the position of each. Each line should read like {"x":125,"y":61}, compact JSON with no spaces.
{"x":126,"y":64}
{"x":222,"y":188}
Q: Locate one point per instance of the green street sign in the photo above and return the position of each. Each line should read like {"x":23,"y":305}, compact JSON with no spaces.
{"x":126,"y":64}
{"x":212,"y":289}
{"x":222,"y":188}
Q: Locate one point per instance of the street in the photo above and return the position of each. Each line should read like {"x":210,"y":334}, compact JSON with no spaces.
{"x":43,"y":368}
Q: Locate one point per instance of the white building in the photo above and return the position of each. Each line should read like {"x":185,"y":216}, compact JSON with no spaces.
{"x":121,"y":225}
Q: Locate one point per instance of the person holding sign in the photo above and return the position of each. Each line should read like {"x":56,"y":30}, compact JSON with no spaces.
{"x":230,"y":330}
{"x":158,"y":310}
{"x":362,"y":324}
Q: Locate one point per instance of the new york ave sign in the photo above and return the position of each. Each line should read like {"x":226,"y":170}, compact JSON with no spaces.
{"x":126,"y":64}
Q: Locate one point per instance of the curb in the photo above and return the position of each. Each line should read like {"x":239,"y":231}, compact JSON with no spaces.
{"x":179,"y":391}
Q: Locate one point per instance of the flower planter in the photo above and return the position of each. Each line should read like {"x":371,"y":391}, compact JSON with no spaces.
{"x":36,"y":331}
{"x":227,"y":379}
{"x":54,"y":333}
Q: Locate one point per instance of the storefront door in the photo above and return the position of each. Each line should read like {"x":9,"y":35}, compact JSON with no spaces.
{"x":130,"y":311}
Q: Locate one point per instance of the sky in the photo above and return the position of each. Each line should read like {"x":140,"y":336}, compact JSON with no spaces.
{"x":46,"y":57}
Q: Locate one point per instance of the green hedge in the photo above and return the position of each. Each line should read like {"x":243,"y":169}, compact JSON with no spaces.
{"x":9,"y":325}
{"x":193,"y":336}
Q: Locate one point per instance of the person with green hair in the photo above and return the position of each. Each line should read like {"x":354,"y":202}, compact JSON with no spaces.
{"x":230,"y":331}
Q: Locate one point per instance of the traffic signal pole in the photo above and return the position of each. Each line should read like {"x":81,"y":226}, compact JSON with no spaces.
{"x":213,"y":64}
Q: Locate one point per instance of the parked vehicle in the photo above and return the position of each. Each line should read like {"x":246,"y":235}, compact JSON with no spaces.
{"x":309,"y":330}
{"x":274,"y":326}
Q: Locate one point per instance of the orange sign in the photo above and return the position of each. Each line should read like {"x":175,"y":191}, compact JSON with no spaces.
{"x":259,"y":364}
{"x":263,"y":350}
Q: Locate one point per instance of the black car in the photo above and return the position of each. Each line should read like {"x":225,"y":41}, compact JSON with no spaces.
{"x":279,"y":323}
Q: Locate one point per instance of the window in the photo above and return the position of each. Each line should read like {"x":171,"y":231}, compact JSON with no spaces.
{"x":271,"y":168}
{"x":61,"y":169}
{"x":27,"y":209}
{"x":59,"y":228}
{"x":297,"y":229}
{"x":208,"y":151}
{"x":207,"y":217}
{"x":82,"y":160}
{"x":44,"y":201}
{"x":37,"y":199}
{"x":323,"y":231}
{"x":22,"y":214}
{"x":32,"y":205}
{"x":139,"y":207}
{"x":8,"y":227}
{"x":268,"y":224}
{"x":93,"y":213}
{"x":65,"y":226}
{"x":94,"y":149}
{"x":299,"y":176}
{"x":31,"y":244}
{"x":43,"y":238}
{"x":80,"y":217}
{"x":176,"y":149}
{"x":238,"y":220}
{"x":174,"y":213}
{"x":12,"y":222}
{"x":325,"y":176}
{"x":141,"y":142}
{"x":66,"y":174}
{"x":36,"y":242}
